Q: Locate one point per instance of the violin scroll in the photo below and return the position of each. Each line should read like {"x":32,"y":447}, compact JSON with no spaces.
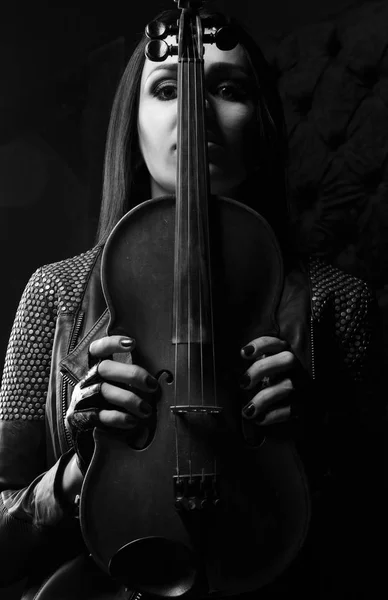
{"x":158,"y":50}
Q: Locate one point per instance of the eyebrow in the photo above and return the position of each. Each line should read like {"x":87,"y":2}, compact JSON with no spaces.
{"x":221,"y":67}
{"x":217,"y":67}
{"x":163,"y":67}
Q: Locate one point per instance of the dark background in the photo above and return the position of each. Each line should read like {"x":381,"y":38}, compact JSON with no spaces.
{"x":59,"y":67}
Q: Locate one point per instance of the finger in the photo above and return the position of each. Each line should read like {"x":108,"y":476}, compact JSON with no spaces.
{"x":126,"y":400}
{"x":278,"y":415}
{"x":269,"y":366}
{"x":268,"y":399}
{"x":263,"y":345}
{"x":116,"y":418}
{"x":132,"y":375}
{"x":111,"y":344}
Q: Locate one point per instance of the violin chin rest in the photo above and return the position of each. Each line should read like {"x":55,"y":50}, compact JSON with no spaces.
{"x":155,"y":565}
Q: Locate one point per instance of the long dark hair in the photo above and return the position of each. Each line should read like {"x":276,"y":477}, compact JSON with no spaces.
{"x":126,"y":179}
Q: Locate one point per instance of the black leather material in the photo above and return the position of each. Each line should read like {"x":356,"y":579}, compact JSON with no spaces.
{"x":294,"y":316}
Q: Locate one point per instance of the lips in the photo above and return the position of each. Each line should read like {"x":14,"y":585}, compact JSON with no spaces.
{"x":212,"y":139}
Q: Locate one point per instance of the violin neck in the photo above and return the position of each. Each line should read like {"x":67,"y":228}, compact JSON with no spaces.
{"x":192,"y":288}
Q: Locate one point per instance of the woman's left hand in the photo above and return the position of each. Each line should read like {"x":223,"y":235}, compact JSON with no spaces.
{"x":270,"y":373}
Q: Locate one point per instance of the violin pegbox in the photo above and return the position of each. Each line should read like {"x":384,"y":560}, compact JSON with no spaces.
{"x":157,"y":49}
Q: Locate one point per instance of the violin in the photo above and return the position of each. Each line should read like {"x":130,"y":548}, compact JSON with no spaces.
{"x":198,"y":502}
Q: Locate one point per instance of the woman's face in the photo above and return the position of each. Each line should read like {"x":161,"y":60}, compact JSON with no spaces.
{"x":230,"y":110}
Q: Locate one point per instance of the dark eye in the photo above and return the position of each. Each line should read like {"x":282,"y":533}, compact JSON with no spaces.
{"x":232,"y":91}
{"x":166,"y":90}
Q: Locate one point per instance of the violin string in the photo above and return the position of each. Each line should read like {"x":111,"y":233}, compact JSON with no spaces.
{"x":189,"y":253}
{"x":188,"y":151}
{"x":206,"y":228}
{"x":211,"y":312}
{"x":176,"y":309}
{"x":177,"y":270}
{"x":177,"y":303}
{"x":199,"y":105}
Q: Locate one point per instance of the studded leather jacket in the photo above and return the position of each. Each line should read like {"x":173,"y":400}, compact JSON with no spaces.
{"x":61,"y":311}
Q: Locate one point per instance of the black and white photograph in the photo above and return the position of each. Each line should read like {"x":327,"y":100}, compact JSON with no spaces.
{"x":194,"y":334}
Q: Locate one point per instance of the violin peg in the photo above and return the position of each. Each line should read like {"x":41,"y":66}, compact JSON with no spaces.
{"x":156,"y":30}
{"x":158,"y":50}
{"x":226,"y":38}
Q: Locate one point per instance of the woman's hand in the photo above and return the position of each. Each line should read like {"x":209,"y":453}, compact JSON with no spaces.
{"x":127,"y":405}
{"x":270,"y":373}
{"x":111,"y":393}
{"x":121,"y":385}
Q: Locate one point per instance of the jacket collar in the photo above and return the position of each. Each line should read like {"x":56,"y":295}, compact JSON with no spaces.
{"x":76,"y":364}
{"x":95,"y":318}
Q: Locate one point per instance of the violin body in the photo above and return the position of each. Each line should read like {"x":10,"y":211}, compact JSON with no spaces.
{"x":199,"y":501}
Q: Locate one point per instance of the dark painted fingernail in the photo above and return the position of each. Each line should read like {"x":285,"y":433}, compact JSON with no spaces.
{"x":249,"y":410}
{"x":248,"y":350}
{"x":151,"y":382}
{"x":127,"y":342}
{"x":245,"y":381}
{"x":145,"y":409}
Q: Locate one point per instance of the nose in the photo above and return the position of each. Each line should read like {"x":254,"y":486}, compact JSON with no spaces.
{"x":211,"y":119}
{"x":210,"y":110}
{"x":208,"y":104}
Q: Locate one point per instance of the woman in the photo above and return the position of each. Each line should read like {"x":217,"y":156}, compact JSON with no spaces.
{"x":59,"y":336}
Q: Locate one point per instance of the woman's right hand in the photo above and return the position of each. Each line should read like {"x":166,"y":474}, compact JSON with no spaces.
{"x":113,"y":393}
{"x":121,"y":385}
{"x":127,"y":406}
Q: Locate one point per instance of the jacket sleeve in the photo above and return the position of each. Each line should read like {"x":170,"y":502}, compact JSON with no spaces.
{"x":362,"y":360}
{"x":31,"y":512}
{"x":353,"y":506}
